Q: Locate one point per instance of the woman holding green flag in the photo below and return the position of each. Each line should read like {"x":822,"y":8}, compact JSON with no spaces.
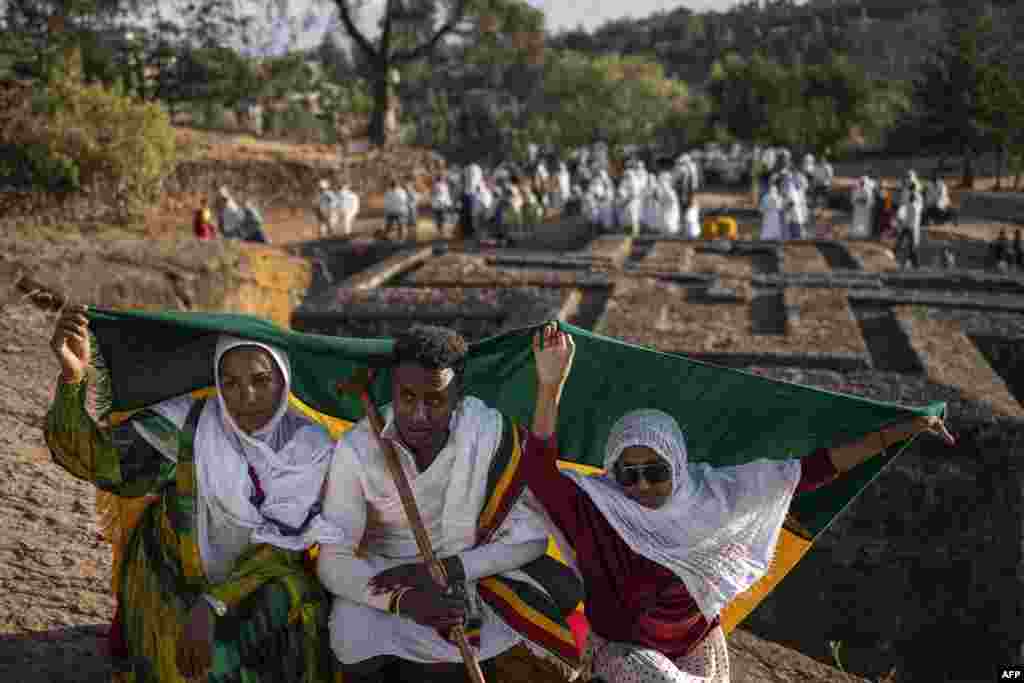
{"x":663,"y":545}
{"x":211,"y":584}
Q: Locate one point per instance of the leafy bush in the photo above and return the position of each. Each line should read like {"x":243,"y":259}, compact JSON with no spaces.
{"x":89,"y":136}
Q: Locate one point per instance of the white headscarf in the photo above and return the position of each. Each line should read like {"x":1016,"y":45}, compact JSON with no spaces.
{"x":290,"y":456}
{"x":718,"y":529}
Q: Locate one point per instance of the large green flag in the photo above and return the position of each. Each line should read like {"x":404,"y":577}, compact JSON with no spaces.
{"x":729,"y":416}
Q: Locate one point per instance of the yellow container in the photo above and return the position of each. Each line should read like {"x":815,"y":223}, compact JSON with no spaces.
{"x":719,"y":228}
{"x":727,"y":228}
{"x":709,"y":228}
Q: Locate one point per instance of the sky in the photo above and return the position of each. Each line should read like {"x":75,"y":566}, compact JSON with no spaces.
{"x":560,"y":14}
{"x":563,"y":14}
{"x":567,"y":14}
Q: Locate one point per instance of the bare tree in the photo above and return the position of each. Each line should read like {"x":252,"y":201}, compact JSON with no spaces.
{"x":409,"y":30}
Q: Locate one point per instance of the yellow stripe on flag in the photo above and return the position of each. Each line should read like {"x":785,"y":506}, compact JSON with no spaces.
{"x":503,"y":483}
{"x":789,"y":550}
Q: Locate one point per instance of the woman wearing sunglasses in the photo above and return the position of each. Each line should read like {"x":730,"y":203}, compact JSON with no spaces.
{"x":663,"y":545}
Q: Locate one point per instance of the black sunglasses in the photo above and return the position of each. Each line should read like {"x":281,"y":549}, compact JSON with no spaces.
{"x":652,"y":472}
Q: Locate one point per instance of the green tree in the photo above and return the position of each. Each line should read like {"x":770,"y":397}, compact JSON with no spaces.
{"x":1002,"y":116}
{"x":949,"y":91}
{"x":621,"y":100}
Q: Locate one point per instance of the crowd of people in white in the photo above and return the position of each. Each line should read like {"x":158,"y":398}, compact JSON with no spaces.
{"x":510,"y":199}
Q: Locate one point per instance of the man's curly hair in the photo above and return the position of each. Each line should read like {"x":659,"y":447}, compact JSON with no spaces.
{"x":434,"y":347}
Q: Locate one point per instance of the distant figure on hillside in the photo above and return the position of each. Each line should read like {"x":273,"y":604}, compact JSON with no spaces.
{"x":937,"y":207}
{"x":348,"y":205}
{"x":772,"y":206}
{"x":325,"y":208}
{"x":203,"y":224}
{"x":396,"y":207}
{"x":229,"y":214}
{"x":863,"y":197}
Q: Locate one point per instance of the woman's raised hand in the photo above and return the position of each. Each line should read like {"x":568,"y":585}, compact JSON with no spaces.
{"x":933,"y":425}
{"x":553,"y":351}
{"x":70,"y":343}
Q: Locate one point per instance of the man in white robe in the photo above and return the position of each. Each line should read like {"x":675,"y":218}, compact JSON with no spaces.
{"x":388,"y":614}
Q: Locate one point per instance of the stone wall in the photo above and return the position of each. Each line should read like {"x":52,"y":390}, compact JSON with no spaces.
{"x":999,"y":206}
{"x":923,"y":571}
{"x":283,"y":182}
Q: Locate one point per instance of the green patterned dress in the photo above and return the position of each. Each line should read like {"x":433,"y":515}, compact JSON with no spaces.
{"x":275,"y":629}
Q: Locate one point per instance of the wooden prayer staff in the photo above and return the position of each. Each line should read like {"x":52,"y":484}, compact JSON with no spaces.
{"x":360,"y":384}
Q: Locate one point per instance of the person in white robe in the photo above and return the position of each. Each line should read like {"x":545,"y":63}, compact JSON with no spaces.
{"x":325,"y":209}
{"x":911,"y":206}
{"x":802,"y":212}
{"x":822,"y":180}
{"x":632,"y":199}
{"x":592,"y":200}
{"x":348,"y":208}
{"x":937,"y":206}
{"x":771,"y":207}
{"x":808,"y":166}
{"x":564,"y":187}
{"x":230,"y":215}
{"x":396,"y":209}
{"x":388,"y":614}
{"x":668,"y":205}
{"x":607,"y":202}
{"x":863,"y":197}
{"x":441,"y":204}
{"x":541,"y":180}
{"x":691,"y":220}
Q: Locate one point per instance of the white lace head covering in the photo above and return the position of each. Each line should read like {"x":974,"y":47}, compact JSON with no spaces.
{"x":718,"y":529}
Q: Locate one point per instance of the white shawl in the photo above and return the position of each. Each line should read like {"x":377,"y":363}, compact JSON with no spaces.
{"x":290,"y":456}
{"x":717,"y":532}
